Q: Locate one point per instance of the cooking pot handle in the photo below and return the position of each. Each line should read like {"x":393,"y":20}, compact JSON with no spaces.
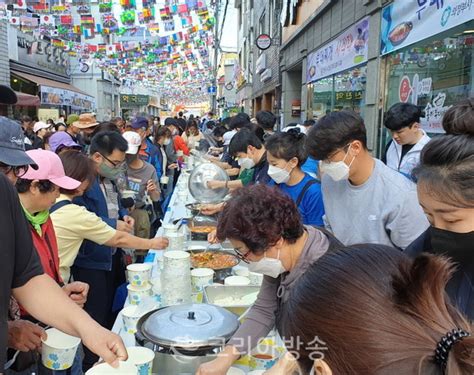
{"x":141,"y":340}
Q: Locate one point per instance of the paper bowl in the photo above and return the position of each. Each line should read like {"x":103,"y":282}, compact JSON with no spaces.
{"x":139,"y":274}
{"x":237,"y":281}
{"x":137,"y":294}
{"x":263,"y":357}
{"x":59,"y":349}
{"x":125,"y":368}
{"x":142,"y":358}
{"x":255,"y":278}
{"x":130,"y":319}
{"x":241,"y":271}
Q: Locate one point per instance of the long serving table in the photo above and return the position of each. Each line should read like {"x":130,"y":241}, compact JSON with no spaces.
{"x":177,"y":210}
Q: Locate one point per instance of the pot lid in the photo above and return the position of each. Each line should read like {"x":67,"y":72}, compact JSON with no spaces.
{"x":190,"y":326}
{"x":198,"y":183}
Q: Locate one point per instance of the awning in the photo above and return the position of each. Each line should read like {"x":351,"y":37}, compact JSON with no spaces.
{"x":48,"y":82}
{"x":27,"y":100}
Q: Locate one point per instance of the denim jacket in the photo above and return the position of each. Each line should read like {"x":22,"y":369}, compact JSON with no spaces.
{"x":92,"y":255}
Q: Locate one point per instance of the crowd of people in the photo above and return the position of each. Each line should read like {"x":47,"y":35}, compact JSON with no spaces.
{"x":370,"y":258}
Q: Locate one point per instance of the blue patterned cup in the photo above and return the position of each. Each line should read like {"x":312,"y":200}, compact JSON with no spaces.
{"x":137,"y":294}
{"x":139,"y":274}
{"x":263,"y":357}
{"x":142,"y":358}
{"x":58,"y":350}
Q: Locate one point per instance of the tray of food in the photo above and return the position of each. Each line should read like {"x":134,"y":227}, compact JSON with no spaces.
{"x":200,"y":227}
{"x":236,"y":299}
{"x":220,"y":261}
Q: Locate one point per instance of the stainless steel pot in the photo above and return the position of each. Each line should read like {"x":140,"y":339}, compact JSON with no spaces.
{"x":184,"y":336}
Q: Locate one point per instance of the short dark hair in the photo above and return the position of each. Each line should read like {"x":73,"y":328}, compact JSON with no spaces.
{"x":180,"y":114}
{"x":402,"y":115}
{"x":219,"y":131}
{"x":106,"y":126}
{"x":243,"y":139}
{"x":162,"y":132}
{"x":106,"y":142}
{"x":26,"y":118}
{"x":335,"y":131}
{"x":310,"y":122}
{"x":266,"y":119}
{"x":239,"y":121}
{"x":287,"y":146}
{"x":170,"y":121}
{"x":77,"y":166}
{"x":259,"y":215}
{"x":23,"y":186}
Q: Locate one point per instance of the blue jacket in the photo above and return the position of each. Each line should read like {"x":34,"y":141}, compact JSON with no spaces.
{"x":154,"y":157}
{"x":92,"y":255}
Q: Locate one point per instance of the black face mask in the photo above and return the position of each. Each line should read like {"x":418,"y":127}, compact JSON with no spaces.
{"x":458,"y":246}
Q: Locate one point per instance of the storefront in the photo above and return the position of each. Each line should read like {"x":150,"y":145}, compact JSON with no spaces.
{"x":336,"y":73}
{"x":428,"y":57}
{"x":132,"y":104}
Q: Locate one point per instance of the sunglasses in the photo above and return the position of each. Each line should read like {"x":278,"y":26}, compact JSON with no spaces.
{"x":18,"y":171}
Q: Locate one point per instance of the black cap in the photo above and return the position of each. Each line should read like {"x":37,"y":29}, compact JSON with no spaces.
{"x":12,"y":144}
{"x":7,"y":95}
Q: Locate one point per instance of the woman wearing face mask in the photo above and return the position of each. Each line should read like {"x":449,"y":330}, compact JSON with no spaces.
{"x":371,"y":310}
{"x":265,"y":228}
{"x":192,"y":136}
{"x":286,"y":154}
{"x":446,"y":193}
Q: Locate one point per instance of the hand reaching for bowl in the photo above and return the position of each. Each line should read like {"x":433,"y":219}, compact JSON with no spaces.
{"x":211,"y":209}
{"x":215,"y":184}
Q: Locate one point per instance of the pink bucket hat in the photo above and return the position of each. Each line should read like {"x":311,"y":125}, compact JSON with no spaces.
{"x":50,"y":168}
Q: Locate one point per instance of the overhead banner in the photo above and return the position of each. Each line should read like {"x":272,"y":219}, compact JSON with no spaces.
{"x":408,"y":22}
{"x":344,"y":52}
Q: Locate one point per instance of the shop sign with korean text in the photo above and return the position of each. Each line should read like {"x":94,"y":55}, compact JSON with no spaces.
{"x":408,"y":22}
{"x":344,"y":52}
{"x":59,"y":97}
{"x":133,"y":100}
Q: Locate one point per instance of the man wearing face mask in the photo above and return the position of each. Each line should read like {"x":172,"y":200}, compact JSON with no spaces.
{"x":148,"y":151}
{"x":141,"y":178}
{"x":83,"y":129}
{"x":266,"y":231}
{"x":365,"y":201}
{"x":100,"y":265}
{"x":251,"y":154}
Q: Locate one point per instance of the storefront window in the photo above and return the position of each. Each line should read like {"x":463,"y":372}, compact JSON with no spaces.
{"x":342,"y":91}
{"x":434,"y":74}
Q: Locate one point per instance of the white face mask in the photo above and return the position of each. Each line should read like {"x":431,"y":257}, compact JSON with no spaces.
{"x":268,"y":266}
{"x":337,"y":170}
{"x":279,"y":175}
{"x":246,"y":163}
{"x":167,"y":142}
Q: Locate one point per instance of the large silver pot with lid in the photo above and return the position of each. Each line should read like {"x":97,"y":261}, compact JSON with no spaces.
{"x":185,"y":336}
{"x":198,"y":179}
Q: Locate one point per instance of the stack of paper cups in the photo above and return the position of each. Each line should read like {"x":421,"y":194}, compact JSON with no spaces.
{"x":176,"y":278}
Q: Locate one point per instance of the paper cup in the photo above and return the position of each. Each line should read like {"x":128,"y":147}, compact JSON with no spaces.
{"x":130,"y":318}
{"x":156,"y":289}
{"x":241,"y":271}
{"x":237,"y":281}
{"x":235,"y":371}
{"x":164,"y":180}
{"x":263,"y":357}
{"x":59,"y":349}
{"x":256,"y":279}
{"x":177,"y":259}
{"x":176,"y":241}
{"x":128,"y":194}
{"x":179,"y":153}
{"x":200,"y":278}
{"x":137,"y":294}
{"x":139,"y":274}
{"x":142,"y":358}
{"x":125,"y":368}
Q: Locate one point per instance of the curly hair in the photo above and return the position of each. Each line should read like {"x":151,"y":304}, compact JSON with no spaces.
{"x":258,"y":216}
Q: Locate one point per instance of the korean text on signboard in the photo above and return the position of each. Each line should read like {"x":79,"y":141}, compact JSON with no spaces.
{"x":59,"y":97}
{"x":407,"y":22}
{"x":346,"y":51}
{"x":134,"y":100}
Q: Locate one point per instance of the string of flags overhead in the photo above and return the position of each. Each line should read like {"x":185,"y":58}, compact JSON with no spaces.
{"x":162,"y":44}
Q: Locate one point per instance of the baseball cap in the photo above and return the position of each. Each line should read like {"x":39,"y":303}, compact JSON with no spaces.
{"x":62,"y":139}
{"x":134,"y":142}
{"x":40,"y":125}
{"x":7,"y":95}
{"x":50,"y":168}
{"x":139,"y":122}
{"x":12,"y":144}
{"x":86,"y":120}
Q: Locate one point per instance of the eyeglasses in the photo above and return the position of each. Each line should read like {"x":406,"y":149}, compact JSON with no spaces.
{"x":114,"y":164}
{"x":241,"y":256}
{"x":18,"y":171}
